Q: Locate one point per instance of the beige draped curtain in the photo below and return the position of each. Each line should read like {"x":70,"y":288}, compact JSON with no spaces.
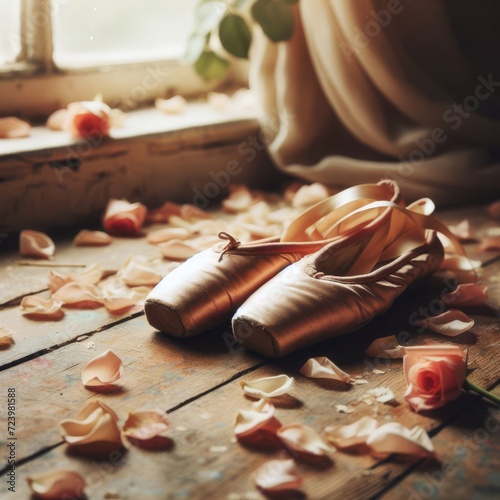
{"x":400,"y":89}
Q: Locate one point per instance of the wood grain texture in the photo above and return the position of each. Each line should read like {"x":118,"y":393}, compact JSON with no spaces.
{"x":198,"y":382}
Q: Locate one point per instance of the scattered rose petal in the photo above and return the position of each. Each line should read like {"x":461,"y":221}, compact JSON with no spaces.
{"x":122,"y":218}
{"x":174,"y":106}
{"x":268,"y":387}
{"x":91,"y":275}
{"x":147,"y":429}
{"x":467,"y":294}
{"x":177,"y":250}
{"x":309,"y":195}
{"x":134,"y":273}
{"x":382,"y":394}
{"x":376,"y":371}
{"x":57,"y":484}
{"x":258,"y":426}
{"x":489,"y":243}
{"x":95,"y":424}
{"x":435,"y":374}
{"x":494,"y":209}
{"x":119,"y":300}
{"x":343,"y":409}
{"x":79,"y":295}
{"x":163,"y":214}
{"x":14,"y":128}
{"x":57,"y":120}
{"x":192,"y":212}
{"x":239,"y":200}
{"x":103,"y":370}
{"x":168,"y":234}
{"x":36,"y":308}
{"x":367,"y":401}
{"x":355,"y":434}
{"x":396,"y":438}
{"x":218,"y":101}
{"x":280,"y":478}
{"x":450,"y":323}
{"x":88,"y":119}
{"x":299,"y":438}
{"x":57,"y":280}
{"x":86,"y":238}
{"x":6,"y":338}
{"x":462,"y":231}
{"x":359,"y":381}
{"x":322,"y":367}
{"x":36,"y":244}
{"x":385,"y":347}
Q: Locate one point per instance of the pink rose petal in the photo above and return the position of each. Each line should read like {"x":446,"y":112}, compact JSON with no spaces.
{"x":34,"y":307}
{"x":239,"y":200}
{"x":355,"y":434}
{"x":279,"y":478}
{"x":14,"y":128}
{"x":467,"y":294}
{"x":147,"y":429}
{"x":58,"y":120}
{"x":174,"y":106}
{"x":122,"y":218}
{"x":103,"y":370}
{"x":36,"y":244}
{"x":396,"y":438}
{"x":6,"y":337}
{"x":57,"y":484}
{"x":450,"y":323}
{"x":79,"y":295}
{"x":305,"y":441}
{"x":322,"y":367}
{"x":87,"y":238}
{"x":385,"y":347}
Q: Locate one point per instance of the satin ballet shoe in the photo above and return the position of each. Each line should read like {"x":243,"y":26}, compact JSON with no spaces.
{"x":207,"y":289}
{"x":343,"y":286}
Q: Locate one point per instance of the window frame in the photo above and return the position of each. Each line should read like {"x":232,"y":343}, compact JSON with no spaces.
{"x":124,"y":85}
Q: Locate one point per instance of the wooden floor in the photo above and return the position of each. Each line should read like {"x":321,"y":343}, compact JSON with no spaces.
{"x":197,"y":382}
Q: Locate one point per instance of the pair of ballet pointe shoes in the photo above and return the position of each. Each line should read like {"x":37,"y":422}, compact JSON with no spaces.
{"x":338,"y":265}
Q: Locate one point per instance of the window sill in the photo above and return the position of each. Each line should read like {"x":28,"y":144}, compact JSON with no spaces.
{"x":51,"y":180}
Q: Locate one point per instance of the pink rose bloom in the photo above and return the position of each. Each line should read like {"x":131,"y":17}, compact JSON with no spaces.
{"x":435,"y":375}
{"x":123,"y":218}
{"x":88,"y":119}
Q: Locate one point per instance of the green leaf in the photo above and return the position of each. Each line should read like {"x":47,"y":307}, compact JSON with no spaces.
{"x":195,"y":47}
{"x":235,"y":35}
{"x":275,"y":17}
{"x":210,"y":66}
{"x":208,"y":15}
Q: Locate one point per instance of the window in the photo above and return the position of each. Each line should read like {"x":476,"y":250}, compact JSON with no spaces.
{"x":10,"y":31}
{"x":128,"y":51}
{"x":120,"y":31}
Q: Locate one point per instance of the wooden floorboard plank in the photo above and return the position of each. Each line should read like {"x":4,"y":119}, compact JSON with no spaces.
{"x":194,"y":469}
{"x":149,"y":385}
{"x":17,"y":281}
{"x":159,"y":371}
{"x":194,"y":378}
{"x":468,"y":463}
